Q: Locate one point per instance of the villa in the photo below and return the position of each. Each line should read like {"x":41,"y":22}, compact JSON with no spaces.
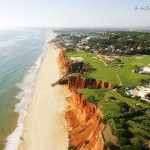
{"x":97,"y":37}
{"x":140,"y":91}
{"x":145,"y":69}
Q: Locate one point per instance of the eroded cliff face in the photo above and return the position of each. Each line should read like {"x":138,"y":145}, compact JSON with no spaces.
{"x":83,"y":117}
{"x":76,"y":82}
{"x":84,"y":121}
{"x":73,"y":66}
{"x":63,"y":62}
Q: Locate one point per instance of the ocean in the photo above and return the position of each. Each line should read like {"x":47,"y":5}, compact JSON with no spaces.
{"x":21,"y":51}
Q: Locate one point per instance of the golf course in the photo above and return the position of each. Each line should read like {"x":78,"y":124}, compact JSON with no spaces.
{"x":126,"y":116}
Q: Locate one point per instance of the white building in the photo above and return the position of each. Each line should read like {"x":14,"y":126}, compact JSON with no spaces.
{"x":145,"y":69}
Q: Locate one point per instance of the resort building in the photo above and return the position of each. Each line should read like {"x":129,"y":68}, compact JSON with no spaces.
{"x":97,"y":37}
{"x":145,"y":69}
{"x":140,"y":91}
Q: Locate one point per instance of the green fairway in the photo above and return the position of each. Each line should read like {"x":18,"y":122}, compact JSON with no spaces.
{"x":126,"y":73}
{"x":129,"y":101}
{"x":108,"y":74}
{"x":103,"y":72}
{"x":133,"y":122}
{"x":97,"y":93}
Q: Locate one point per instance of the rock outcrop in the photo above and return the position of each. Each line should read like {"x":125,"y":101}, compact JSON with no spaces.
{"x":83,"y":118}
{"x":79,"y":67}
{"x":71,"y":67}
{"x":63,"y":62}
{"x":76,"y":82}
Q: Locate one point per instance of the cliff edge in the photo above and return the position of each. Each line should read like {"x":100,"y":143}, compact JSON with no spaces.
{"x":85,"y":128}
{"x":82,"y":116}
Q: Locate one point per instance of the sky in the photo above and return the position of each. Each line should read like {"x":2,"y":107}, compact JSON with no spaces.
{"x":74,"y":13}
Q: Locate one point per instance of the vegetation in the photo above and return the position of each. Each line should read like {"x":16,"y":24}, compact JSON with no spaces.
{"x":119,"y":42}
{"x":147,"y":96}
{"x":127,"y":119}
{"x":94,"y":95}
{"x":124,"y":42}
{"x":128,"y":76}
{"x":72,"y":148}
{"x":127,"y":116}
{"x":101,"y":72}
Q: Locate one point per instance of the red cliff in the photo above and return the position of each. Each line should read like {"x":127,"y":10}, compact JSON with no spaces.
{"x":63,"y":62}
{"x":76,"y":82}
{"x":83,"y":118}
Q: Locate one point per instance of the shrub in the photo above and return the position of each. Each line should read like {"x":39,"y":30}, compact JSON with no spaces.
{"x":119,"y":132}
{"x":112,"y":97}
{"x":137,"y":97}
{"x":125,"y":147}
{"x":102,"y":120}
{"x":123,"y":141}
{"x":136,"y":143}
{"x":72,"y":147}
{"x":111,"y":146}
{"x":87,"y":142}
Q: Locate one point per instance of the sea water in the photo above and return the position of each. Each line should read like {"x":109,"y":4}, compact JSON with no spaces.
{"x":21,"y":51}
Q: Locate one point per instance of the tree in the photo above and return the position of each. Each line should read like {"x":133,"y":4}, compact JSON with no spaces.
{"x":120,"y":132}
{"x":110,"y":145}
{"x":122,"y":121}
{"x":136,"y":143}
{"x":125,"y":147}
{"x":123,"y":141}
{"x":131,"y":110}
{"x":147,"y":96}
{"x":123,"y":107}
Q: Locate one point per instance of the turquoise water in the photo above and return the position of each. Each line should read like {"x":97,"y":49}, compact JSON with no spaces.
{"x":21,"y":50}
{"x":129,"y":92}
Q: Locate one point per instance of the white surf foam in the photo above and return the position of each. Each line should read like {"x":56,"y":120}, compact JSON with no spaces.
{"x":26,"y":86}
{"x":12,"y":42}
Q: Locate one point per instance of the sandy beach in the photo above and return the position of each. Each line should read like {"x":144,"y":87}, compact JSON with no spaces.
{"x":44,"y":126}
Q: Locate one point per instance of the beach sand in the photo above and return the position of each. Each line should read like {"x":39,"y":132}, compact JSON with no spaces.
{"x":44,"y":126}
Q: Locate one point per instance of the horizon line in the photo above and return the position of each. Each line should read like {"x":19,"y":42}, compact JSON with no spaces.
{"x":147,"y":26}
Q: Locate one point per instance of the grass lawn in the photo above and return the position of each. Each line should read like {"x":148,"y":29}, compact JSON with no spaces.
{"x":109,"y":108}
{"x":102,"y":73}
{"x":107,"y":73}
{"x":97,"y":93}
{"x":129,"y":101}
{"x":135,"y":123}
{"x":126,"y":73}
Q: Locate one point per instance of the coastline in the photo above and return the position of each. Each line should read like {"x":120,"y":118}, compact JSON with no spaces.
{"x":44,"y":125}
{"x":24,"y":89}
{"x":82,"y":116}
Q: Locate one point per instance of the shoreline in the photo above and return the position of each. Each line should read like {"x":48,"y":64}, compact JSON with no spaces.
{"x":82,"y":117}
{"x":44,"y":125}
{"x":23,"y":96}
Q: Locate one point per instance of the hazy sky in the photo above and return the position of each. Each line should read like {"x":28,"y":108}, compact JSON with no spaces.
{"x":73,"y":13}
